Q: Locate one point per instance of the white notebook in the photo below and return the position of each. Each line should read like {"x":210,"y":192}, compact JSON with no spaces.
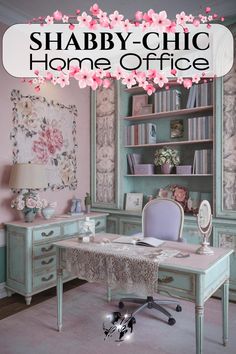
{"x":145,"y":241}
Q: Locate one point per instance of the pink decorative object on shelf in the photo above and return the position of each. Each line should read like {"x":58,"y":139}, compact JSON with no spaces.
{"x":144,"y":169}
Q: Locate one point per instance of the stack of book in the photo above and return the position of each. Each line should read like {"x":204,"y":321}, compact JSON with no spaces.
{"x":200,"y":128}
{"x":133,"y":160}
{"x":168,"y":100}
{"x":203,"y":161}
{"x":200,"y":95}
{"x":138,"y":134}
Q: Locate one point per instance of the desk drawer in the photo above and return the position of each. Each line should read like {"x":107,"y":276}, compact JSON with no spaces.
{"x":71,"y":228}
{"x":43,"y":250}
{"x":44,"y":280}
{"x":46,"y":233}
{"x":176,"y":283}
{"x":44,"y":263}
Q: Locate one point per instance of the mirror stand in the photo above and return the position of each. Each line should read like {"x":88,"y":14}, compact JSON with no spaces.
{"x":204,"y":248}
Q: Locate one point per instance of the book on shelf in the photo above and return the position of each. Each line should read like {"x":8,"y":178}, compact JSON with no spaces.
{"x":200,"y":128}
{"x":133,"y":160}
{"x":140,"y":241}
{"x":140,"y":134}
{"x":165,"y":101}
{"x":203,"y":161}
{"x":200,"y":95}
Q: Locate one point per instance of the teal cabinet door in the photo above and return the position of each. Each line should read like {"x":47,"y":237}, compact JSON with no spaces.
{"x":191,"y":233}
{"x":129,"y":226}
{"x":112,"y":225}
{"x":225,"y":236}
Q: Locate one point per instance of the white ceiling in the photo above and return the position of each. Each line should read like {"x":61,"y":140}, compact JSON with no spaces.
{"x":19,"y":11}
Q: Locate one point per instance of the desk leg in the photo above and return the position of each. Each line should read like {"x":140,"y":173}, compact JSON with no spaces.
{"x":199,"y":314}
{"x":59,"y":290}
{"x":225,"y":311}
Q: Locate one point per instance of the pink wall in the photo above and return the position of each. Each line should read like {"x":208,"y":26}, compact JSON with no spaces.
{"x":69,"y":95}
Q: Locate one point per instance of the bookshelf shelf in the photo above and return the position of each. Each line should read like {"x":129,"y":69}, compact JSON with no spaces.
{"x":186,"y":112}
{"x":172,"y":143}
{"x":172,"y":175}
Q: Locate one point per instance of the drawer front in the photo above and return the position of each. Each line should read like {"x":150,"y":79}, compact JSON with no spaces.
{"x":71,"y":228}
{"x":176,"y":284}
{"x":43,"y":250}
{"x":44,"y":263}
{"x":44,"y":280}
{"x":100,"y":224}
{"x":46,"y":233}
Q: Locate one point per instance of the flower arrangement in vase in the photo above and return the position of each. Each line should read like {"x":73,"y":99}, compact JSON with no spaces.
{"x":29,"y":203}
{"x":166,"y":157}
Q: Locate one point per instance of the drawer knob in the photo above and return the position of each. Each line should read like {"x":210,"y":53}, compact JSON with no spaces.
{"x":97,"y":223}
{"x":44,"y":249}
{"x":44,"y":234}
{"x":165,"y":280}
{"x":47,"y":278}
{"x":47,"y":262}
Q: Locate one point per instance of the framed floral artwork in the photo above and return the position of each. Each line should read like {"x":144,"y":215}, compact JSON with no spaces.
{"x":138,"y":102}
{"x":45,"y":132}
{"x":134,"y":201}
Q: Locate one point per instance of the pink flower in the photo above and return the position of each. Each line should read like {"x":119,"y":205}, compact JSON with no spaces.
{"x":151,"y":74}
{"x":96,"y":82}
{"x":171,"y":28}
{"x":49,"y":76}
{"x":84,"y":77}
{"x":160,"y":21}
{"x":190,"y":18}
{"x":126,"y":25}
{"x":119,"y":73}
{"x":161,"y":80}
{"x":71,"y":26}
{"x":141,"y":78}
{"x":84,"y":19}
{"x":30,"y":202}
{"x":54,"y":80}
{"x":129,"y":80}
{"x":63,"y":80}
{"x":195,"y":78}
{"x":106,"y":83}
{"x":57,"y":15}
{"x":116,"y":18}
{"x":95,"y":9}
{"x":40,"y":148}
{"x":179,"y":194}
{"x":149,"y":88}
{"x":102,"y":16}
{"x":65,"y":19}
{"x":207,"y":9}
{"x":144,"y":25}
{"x":180,"y":80}
{"x":181,"y":18}
{"x":173,"y":72}
{"x":196,"y":22}
{"x":187,"y":83}
{"x":93,"y":25}
{"x":138,"y":15}
{"x":74,"y":70}
{"x":37,"y":88}
{"x":49,"y":20}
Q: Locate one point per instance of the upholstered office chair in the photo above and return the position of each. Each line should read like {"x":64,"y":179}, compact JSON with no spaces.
{"x":163,"y":219}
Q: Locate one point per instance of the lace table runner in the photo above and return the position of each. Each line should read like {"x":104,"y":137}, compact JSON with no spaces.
{"x":131,"y":268}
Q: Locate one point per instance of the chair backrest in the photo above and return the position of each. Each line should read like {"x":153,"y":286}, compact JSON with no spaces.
{"x":163,"y":219}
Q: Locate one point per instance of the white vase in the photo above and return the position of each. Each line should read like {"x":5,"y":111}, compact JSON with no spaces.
{"x":48,"y":212}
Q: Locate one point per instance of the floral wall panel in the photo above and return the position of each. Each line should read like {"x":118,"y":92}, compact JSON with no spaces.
{"x":106,"y":144}
{"x":45,"y":132}
{"x":229,"y":138}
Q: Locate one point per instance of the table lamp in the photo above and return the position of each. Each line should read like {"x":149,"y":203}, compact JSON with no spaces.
{"x":28,"y":176}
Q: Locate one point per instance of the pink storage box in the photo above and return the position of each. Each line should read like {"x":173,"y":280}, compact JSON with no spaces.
{"x":144,"y":169}
{"x":184,"y":170}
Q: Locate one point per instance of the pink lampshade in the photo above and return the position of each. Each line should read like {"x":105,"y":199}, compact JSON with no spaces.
{"x":28,"y":176}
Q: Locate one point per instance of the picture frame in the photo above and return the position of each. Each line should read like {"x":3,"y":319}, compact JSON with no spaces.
{"x":177,"y":128}
{"x":138,"y":101}
{"x":147,"y":109}
{"x":134,"y":201}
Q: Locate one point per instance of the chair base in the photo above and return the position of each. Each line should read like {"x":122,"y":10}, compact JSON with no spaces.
{"x":150,"y":303}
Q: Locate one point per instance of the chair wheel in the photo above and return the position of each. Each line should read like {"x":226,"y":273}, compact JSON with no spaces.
{"x":171,"y":321}
{"x":178,"y":308}
{"x":121,"y":305}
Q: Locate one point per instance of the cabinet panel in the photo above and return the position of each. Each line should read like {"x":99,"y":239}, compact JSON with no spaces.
{"x":129,"y":226}
{"x":191,"y":234}
{"x":112,"y":225}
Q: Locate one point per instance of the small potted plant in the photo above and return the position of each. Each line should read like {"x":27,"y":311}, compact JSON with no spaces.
{"x":87,"y":202}
{"x":166,"y":157}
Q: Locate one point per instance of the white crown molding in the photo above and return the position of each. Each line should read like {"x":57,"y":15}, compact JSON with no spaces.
{"x":3,"y":292}
{"x":11,"y":15}
{"x":2,"y":238}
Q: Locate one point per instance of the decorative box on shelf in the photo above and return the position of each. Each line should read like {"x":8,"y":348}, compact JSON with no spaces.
{"x":184,"y":170}
{"x":144,"y":169}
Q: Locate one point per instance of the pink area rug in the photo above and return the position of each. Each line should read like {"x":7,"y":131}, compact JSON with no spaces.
{"x":33,"y":331}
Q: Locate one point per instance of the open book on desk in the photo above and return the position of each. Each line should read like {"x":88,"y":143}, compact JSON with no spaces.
{"x":144,"y":241}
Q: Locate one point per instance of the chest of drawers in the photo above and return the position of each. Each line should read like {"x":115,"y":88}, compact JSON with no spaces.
{"x":31,"y":255}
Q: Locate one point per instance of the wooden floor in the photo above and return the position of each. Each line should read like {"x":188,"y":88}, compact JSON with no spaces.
{"x":16,"y":303}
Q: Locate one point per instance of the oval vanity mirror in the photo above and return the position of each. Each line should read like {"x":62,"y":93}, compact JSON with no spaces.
{"x":204,"y":221}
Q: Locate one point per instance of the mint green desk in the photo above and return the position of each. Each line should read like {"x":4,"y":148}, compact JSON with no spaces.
{"x":194,"y":278}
